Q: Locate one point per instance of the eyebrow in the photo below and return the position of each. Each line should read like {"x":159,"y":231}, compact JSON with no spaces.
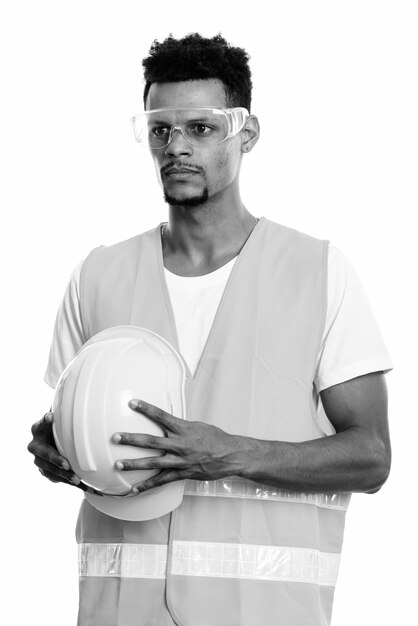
{"x":203,"y":118}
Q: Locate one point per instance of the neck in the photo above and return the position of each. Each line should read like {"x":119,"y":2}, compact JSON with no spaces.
{"x":203,"y":234}
{"x":201,"y":240}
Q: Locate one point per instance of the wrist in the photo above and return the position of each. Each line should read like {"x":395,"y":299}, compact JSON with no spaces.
{"x":245,"y":456}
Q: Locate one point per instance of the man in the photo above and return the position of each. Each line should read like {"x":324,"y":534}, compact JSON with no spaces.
{"x":288,"y":413}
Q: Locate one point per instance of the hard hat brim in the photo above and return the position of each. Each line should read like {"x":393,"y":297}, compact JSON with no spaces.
{"x":144,"y":506}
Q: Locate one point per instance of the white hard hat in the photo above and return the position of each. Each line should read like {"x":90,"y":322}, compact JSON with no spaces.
{"x":91,"y":404}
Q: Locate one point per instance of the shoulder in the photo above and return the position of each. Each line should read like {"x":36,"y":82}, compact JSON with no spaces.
{"x":344,"y":281}
{"x":291,"y":234}
{"x":338,"y":261}
{"x":295,"y":247}
{"x":117,"y":257}
{"x":123,"y":248}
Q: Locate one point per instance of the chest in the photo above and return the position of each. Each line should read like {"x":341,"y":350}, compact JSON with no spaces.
{"x":256,"y":371}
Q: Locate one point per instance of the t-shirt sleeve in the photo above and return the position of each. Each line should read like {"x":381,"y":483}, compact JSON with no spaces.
{"x":68,"y":336}
{"x":352,"y":344}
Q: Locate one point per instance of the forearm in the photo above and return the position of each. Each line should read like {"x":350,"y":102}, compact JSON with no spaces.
{"x":356,"y":458}
{"x":348,"y":461}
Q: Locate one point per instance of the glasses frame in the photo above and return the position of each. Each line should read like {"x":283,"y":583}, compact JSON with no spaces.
{"x":231,"y":114}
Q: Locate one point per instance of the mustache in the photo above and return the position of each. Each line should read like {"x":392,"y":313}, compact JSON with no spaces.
{"x":178,"y":165}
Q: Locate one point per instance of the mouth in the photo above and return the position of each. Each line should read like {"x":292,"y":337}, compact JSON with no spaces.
{"x":179,"y":173}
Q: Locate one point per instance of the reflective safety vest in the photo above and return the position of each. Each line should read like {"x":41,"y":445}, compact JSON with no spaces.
{"x":236,"y":552}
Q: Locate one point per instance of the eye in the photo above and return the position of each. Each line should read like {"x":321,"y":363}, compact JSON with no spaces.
{"x":159,"y":131}
{"x":199,"y":128}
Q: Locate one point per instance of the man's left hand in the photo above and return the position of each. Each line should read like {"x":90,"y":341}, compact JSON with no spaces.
{"x":191,"y":449}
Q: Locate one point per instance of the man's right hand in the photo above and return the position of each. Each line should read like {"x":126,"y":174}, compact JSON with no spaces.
{"x":47,"y":458}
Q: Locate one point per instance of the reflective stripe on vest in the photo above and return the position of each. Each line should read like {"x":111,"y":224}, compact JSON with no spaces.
{"x":236,"y":487}
{"x":209,"y":559}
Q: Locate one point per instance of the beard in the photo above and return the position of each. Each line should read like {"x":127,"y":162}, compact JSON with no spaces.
{"x":192,"y":201}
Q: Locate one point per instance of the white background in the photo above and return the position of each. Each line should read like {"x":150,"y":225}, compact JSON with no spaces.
{"x":335,"y":89}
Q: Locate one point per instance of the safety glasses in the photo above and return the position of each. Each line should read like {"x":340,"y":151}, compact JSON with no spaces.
{"x":202,"y":126}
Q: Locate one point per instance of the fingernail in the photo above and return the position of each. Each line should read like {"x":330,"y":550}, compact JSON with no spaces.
{"x":116,"y":437}
{"x":135,"y":490}
{"x":119,"y":465}
{"x":75,"y":480}
{"x":134,"y":404}
{"x":65,"y":465}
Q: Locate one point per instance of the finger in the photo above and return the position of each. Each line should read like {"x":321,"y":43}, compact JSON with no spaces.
{"x":142,"y":440}
{"x":43,"y":442}
{"x":59,"y":473}
{"x":166,"y":420}
{"x":53,"y":478}
{"x":150,"y":462}
{"x":48,"y":453}
{"x":43,"y":425}
{"x":158,"y":480}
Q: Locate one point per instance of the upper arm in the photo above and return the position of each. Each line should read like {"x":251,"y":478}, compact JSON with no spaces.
{"x":68,"y":336}
{"x":361,"y":403}
{"x":352,"y":344}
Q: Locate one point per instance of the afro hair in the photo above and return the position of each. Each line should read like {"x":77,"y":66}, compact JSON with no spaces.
{"x":194,"y":58}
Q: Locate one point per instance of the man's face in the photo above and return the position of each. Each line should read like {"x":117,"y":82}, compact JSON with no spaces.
{"x":213,"y":168}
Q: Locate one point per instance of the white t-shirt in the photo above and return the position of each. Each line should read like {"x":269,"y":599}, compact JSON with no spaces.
{"x":352,"y":344}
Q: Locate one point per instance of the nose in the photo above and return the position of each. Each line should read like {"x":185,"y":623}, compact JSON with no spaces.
{"x":177,"y":143}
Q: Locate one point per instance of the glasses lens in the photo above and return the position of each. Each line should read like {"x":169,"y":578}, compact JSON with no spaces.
{"x":198,"y":126}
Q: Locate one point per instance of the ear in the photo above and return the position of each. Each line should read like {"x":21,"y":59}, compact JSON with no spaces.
{"x":250,"y":133}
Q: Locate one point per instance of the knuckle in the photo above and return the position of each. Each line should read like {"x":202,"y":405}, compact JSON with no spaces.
{"x":170,"y":477}
{"x":35,"y":427}
{"x":186,"y":426}
{"x":42,"y":425}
